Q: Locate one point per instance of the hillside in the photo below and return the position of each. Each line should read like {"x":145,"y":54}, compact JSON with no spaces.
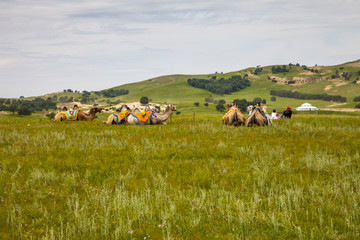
{"x":333,"y":80}
{"x":341,"y":80}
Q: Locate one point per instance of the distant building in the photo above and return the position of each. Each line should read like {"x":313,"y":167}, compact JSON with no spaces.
{"x":306,"y":107}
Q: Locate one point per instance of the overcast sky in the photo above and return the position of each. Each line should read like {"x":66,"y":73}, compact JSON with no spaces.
{"x":47,"y":46}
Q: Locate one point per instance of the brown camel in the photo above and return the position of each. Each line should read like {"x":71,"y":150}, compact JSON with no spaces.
{"x":155,"y":118}
{"x":81,"y":115}
{"x":234,"y":116}
{"x":258,"y":117}
{"x":119,"y":117}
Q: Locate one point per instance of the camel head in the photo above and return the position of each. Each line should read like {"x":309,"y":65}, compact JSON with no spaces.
{"x":171,"y":108}
{"x":250,"y":108}
{"x":96,"y":110}
{"x":232,"y":104}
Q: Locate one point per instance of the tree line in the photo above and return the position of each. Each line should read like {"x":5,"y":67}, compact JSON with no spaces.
{"x":26,"y":107}
{"x":306,"y":96}
{"x":222,"y":85}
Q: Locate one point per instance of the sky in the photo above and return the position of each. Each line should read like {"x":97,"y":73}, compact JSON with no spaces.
{"x":47,"y":46}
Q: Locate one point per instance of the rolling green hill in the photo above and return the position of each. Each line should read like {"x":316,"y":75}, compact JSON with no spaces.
{"x":318,"y":79}
{"x":333,"y":80}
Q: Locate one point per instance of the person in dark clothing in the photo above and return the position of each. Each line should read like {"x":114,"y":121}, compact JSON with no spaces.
{"x":287,"y":113}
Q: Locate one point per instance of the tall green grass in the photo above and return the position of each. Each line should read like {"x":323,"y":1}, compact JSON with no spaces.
{"x":85,"y":180}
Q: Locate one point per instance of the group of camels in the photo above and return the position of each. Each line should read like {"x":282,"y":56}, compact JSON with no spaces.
{"x":234,"y":116}
{"x":257,"y":116}
{"x":123,"y":115}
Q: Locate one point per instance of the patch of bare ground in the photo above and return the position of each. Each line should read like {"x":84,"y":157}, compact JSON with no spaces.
{"x":307,"y":73}
{"x":353,"y":64}
{"x":281,"y":81}
{"x":4,"y":113}
{"x":252,"y":76}
{"x":341,"y":109}
{"x":335,"y":104}
{"x":328,"y":87}
{"x":341,"y":84}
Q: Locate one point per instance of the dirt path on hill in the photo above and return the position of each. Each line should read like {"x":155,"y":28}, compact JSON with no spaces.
{"x":341,"y":109}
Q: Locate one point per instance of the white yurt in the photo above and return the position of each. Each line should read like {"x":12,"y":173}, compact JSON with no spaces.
{"x":306,"y":107}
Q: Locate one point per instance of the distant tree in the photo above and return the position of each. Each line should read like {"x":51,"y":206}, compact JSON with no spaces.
{"x":206,"y":104}
{"x":64,"y":90}
{"x":21,"y":96}
{"x":222,"y":101}
{"x":209,"y":99}
{"x":220,"y":107}
{"x":7,"y":101}
{"x":24,"y":110}
{"x":196,"y":104}
{"x":357,"y":99}
{"x":264,"y":101}
{"x":213,"y":77}
{"x":86,"y":93}
{"x":69,"y":90}
{"x":144,"y":100}
{"x":357,"y":106}
{"x":13,"y":107}
{"x":256,"y":100}
{"x":273,"y":99}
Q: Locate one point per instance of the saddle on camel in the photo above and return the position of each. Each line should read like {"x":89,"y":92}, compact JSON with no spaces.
{"x":144,"y":118}
{"x":70,"y":114}
{"x":121,"y":116}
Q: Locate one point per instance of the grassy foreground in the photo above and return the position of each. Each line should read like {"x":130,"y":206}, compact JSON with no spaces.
{"x":84,"y":180}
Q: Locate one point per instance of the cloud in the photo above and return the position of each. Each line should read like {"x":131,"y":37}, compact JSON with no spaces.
{"x":94,"y":45}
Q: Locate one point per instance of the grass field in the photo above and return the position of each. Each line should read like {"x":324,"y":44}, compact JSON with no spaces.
{"x":298,"y":179}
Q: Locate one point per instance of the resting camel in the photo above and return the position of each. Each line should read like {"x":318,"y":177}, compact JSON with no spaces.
{"x":81,"y":115}
{"x":258,"y":116}
{"x":120,"y":116}
{"x":234,"y":116}
{"x":156,"y":118}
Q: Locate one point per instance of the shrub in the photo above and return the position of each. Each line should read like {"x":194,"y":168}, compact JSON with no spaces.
{"x":144,"y":100}
{"x":196,"y":104}
{"x":273,"y":99}
{"x":357,"y":99}
{"x":220,"y":107}
{"x":206,"y":104}
{"x":357,"y":106}
{"x":23,"y":110}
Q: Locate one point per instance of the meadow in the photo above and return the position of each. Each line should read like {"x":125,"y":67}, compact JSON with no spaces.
{"x":298,"y":179}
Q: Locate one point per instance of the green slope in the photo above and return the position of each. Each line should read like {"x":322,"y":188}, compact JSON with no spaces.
{"x":174,"y":89}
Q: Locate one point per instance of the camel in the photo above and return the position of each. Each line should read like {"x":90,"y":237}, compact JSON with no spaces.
{"x":155,"y":118}
{"x":81,"y":115}
{"x":234,"y":116}
{"x":258,"y":116}
{"x":119,"y":117}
